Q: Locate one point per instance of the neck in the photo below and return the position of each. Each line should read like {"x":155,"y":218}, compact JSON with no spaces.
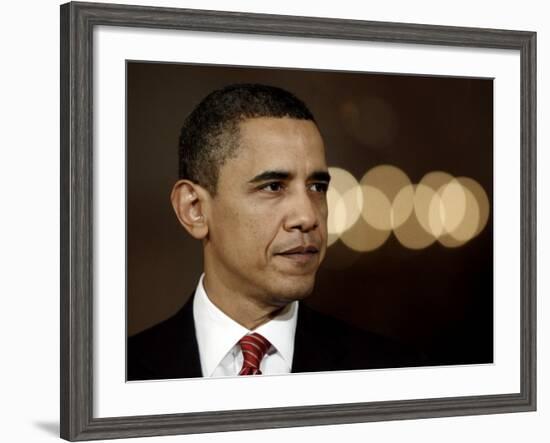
{"x":245,"y":310}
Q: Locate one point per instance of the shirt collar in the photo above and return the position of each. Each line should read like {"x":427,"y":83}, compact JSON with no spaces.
{"x":217,"y":333}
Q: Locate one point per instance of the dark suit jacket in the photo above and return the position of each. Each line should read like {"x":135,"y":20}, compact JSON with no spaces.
{"x":169,"y":349}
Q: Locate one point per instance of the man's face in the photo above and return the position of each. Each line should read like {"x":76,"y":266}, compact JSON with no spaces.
{"x":267,"y":224}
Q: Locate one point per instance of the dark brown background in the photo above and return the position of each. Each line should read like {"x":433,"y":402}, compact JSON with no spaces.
{"x":437,"y":299}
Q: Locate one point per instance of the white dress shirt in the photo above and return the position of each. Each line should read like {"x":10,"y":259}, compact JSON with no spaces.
{"x":218,"y":336}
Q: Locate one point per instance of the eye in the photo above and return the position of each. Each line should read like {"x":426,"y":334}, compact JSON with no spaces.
{"x":272,"y":187}
{"x":319,"y":187}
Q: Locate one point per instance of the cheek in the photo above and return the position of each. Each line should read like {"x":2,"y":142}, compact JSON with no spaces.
{"x":248,"y":230}
{"x":241,"y":235}
{"x":255,"y":234}
{"x":226,"y":229}
{"x":259,"y":234}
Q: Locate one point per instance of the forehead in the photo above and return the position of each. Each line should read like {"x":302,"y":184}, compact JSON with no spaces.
{"x":286,"y":144}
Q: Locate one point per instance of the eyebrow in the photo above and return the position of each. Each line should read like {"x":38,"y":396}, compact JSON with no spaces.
{"x":285,"y":175}
{"x":321,"y":176}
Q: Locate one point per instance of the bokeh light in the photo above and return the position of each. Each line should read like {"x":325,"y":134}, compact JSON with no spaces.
{"x":412,"y":234}
{"x":362,"y":237}
{"x":402,"y":206}
{"x":481,"y":198}
{"x":452,"y":205}
{"x":427,"y":209}
{"x":381,"y":185}
{"x":442,"y":208}
{"x":333,"y":197}
{"x":469,"y":222}
{"x":376,"y":208}
{"x":345,"y":200}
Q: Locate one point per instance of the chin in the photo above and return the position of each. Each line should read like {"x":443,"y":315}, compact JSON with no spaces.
{"x":293,"y":288}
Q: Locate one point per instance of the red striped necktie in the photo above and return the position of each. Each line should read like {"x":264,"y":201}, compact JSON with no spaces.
{"x":254,"y":347}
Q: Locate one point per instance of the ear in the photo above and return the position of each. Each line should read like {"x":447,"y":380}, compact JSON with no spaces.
{"x":187,"y":199}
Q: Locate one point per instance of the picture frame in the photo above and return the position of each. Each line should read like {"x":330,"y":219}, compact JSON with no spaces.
{"x":78,"y":21}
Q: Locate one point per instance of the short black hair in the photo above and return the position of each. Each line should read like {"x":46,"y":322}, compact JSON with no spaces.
{"x":210,"y":133}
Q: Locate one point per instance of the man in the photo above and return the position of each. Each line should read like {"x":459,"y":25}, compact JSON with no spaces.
{"x":252,"y":189}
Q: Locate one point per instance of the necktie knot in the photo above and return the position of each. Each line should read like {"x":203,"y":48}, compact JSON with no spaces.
{"x":254,"y":347}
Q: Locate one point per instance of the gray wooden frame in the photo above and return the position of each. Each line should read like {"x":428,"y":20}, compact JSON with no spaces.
{"x":77,"y":23}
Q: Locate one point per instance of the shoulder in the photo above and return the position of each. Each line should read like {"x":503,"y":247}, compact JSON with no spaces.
{"x":156,"y":337}
{"x":336,"y":345}
{"x":165,"y":350}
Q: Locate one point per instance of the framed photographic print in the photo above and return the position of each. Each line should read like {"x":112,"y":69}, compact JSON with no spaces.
{"x":365,"y":192}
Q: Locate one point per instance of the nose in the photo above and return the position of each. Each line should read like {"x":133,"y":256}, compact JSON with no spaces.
{"x":303,"y":213}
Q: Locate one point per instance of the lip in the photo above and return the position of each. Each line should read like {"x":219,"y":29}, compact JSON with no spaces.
{"x":300,"y":249}
{"x":302,"y":254}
